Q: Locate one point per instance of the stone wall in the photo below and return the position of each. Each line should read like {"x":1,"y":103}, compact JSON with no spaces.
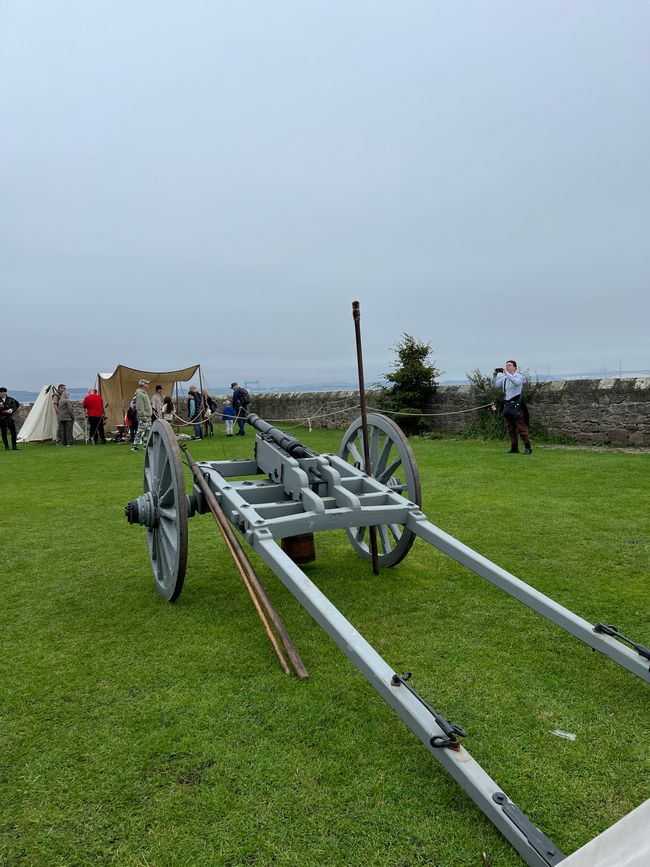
{"x":609,"y":411}
{"x":333,"y":409}
{"x":615,"y":411}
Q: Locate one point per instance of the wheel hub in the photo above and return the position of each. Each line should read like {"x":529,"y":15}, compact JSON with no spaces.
{"x":143,"y":510}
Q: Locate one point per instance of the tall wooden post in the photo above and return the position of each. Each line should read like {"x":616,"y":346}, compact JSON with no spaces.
{"x":356,"y":315}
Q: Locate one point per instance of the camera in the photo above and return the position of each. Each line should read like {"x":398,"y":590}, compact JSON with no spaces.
{"x":498,"y":370}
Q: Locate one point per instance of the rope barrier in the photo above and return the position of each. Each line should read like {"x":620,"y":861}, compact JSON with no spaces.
{"x":435,"y":414}
{"x":308,"y":420}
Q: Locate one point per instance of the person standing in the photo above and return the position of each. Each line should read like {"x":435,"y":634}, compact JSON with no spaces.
{"x":515,"y":411}
{"x":240,"y":401}
{"x":157,"y":402}
{"x":131,"y":420}
{"x":228,"y":416}
{"x":94,"y":408}
{"x":209,"y":409}
{"x":56,"y":397}
{"x":9,"y":406}
{"x":66,"y":418}
{"x":195,"y":411}
{"x":143,"y":412}
{"x":168,"y":410}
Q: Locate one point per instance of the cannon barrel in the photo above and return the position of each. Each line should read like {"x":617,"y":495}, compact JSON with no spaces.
{"x":290,"y":444}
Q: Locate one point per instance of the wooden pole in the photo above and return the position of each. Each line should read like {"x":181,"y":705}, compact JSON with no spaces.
{"x":253,"y":584}
{"x":356,"y":315}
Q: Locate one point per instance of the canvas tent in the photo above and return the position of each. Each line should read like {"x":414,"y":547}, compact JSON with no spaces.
{"x":118,"y":388}
{"x":42,"y":421}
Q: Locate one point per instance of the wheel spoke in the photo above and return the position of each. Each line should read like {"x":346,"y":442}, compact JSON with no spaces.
{"x":389,"y":471}
{"x":358,"y":460}
{"x":383,"y":535}
{"x":167,"y":560}
{"x":380,"y":466}
{"x":156,"y":446}
{"x":168,"y":531}
{"x":166,"y":477}
{"x":155,"y":552}
{"x":166,"y":497}
{"x":373,"y":447}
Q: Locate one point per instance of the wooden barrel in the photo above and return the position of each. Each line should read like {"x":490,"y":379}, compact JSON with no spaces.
{"x":300,"y":548}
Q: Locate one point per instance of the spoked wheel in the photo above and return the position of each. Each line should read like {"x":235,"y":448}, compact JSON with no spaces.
{"x":167,"y":541}
{"x":392,"y":463}
{"x":163,"y":510}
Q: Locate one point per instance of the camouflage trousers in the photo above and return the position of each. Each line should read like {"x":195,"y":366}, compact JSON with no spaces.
{"x":143,"y":431}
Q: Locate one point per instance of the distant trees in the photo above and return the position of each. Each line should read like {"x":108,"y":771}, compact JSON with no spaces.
{"x":413,"y":384}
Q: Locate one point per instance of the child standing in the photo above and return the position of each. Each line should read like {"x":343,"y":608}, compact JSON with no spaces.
{"x":228,"y":415}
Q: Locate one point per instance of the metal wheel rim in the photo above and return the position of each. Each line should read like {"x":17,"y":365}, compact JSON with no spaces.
{"x":167,"y":541}
{"x":393,"y":463}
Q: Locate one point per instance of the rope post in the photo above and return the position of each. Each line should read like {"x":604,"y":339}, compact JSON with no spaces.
{"x":356,"y":315}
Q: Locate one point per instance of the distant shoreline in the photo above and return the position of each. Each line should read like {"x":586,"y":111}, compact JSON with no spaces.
{"x":27,"y":396}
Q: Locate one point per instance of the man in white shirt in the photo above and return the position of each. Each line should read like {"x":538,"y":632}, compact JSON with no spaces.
{"x":514,"y":409}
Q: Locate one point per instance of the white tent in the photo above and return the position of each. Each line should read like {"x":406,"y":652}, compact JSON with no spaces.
{"x":42,"y":422}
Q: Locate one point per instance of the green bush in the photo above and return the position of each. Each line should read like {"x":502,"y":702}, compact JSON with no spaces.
{"x":413,"y":385}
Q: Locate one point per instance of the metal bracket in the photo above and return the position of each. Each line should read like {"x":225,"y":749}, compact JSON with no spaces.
{"x":544,"y":847}
{"x":450,"y":729}
{"x":613,"y":631}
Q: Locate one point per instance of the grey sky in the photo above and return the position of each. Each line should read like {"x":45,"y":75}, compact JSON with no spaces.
{"x":216,"y":182}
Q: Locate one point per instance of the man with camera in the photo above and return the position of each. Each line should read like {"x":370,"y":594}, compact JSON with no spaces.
{"x":515,"y":411}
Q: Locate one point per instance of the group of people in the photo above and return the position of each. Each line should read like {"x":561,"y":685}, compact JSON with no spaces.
{"x":140,"y":415}
{"x":64,"y":409}
{"x":143,"y":411}
{"x":201,"y":408}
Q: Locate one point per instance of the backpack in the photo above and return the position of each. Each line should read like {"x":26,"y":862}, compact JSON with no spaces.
{"x":244,"y":397}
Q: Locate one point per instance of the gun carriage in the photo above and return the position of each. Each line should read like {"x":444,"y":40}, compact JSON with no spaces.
{"x":287,"y":490}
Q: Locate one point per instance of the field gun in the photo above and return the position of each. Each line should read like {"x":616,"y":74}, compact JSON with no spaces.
{"x":287,"y":490}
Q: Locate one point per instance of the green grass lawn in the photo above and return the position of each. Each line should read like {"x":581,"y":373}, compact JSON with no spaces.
{"x":137,"y":732}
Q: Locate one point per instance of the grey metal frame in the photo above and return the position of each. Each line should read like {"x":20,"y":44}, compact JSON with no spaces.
{"x":315,"y":492}
{"x":286,"y":504}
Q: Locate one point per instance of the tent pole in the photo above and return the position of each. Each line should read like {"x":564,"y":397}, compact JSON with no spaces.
{"x":202,"y":389}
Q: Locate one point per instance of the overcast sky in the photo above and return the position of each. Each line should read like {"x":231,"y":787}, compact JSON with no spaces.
{"x":216,"y":182}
